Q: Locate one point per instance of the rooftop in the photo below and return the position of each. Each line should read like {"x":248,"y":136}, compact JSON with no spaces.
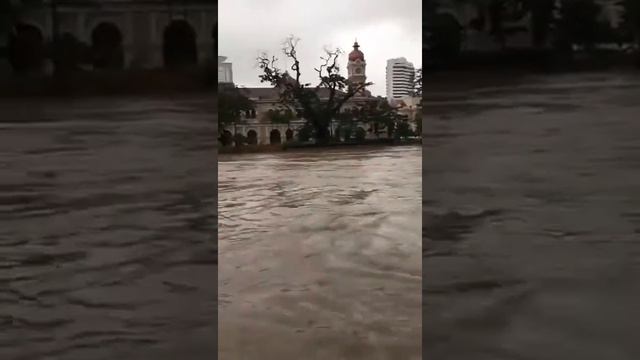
{"x":272,"y":94}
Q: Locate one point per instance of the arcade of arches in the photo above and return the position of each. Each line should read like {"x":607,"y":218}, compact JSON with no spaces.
{"x":258,"y":134}
{"x":123,"y":37}
{"x":252,"y":137}
{"x":106,"y":47}
{"x":274,"y":137}
{"x":179,"y":46}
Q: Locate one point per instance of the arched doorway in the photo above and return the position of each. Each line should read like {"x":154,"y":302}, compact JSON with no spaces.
{"x":179,"y":46}
{"x":252,"y":137}
{"x":106,"y":47}
{"x":288,"y":134}
{"x":274,"y":137}
{"x":26,"y":48}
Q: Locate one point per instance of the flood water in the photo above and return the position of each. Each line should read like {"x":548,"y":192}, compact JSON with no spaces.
{"x":320,"y":255}
{"x":531,"y":220}
{"x":107,"y":235}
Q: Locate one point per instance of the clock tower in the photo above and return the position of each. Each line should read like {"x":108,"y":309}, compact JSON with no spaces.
{"x":356,"y":66}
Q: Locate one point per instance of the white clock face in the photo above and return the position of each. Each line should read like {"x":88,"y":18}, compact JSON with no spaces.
{"x":358,"y":70}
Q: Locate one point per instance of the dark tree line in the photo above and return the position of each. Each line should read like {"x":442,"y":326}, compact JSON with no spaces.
{"x":552,"y":27}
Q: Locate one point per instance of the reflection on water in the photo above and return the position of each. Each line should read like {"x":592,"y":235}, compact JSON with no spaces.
{"x":108,"y":223}
{"x":320,"y":255}
{"x":531,"y":222}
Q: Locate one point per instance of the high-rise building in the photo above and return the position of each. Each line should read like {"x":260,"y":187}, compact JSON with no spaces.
{"x":225,"y":73}
{"x":400,"y":75}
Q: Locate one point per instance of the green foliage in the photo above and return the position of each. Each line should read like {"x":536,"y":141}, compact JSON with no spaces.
{"x":578,"y":23}
{"x":631,"y":24}
{"x":347,"y":132}
{"x":6,"y":16}
{"x":11,"y":9}
{"x":380,"y":114}
{"x":500,"y":13}
{"x":443,"y":37}
{"x":226,"y":138}
{"x":631,"y":19}
{"x":231,"y":104}
{"x":541,"y":19}
{"x":280,"y":116}
{"x":337,"y":133}
{"x":361,"y":134}
{"x":417,"y":83}
{"x":403,"y":130}
{"x":318,"y":112}
{"x":305,"y":133}
{"x":239,"y":139}
{"x":497,"y":9}
{"x":564,"y":24}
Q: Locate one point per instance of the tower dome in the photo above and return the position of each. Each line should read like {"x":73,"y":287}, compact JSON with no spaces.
{"x":356,"y":54}
{"x":356,"y":69}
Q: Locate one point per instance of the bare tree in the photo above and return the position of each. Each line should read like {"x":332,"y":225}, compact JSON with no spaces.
{"x":316,"y":109}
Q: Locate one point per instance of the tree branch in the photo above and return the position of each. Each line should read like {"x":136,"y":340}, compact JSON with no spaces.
{"x":353,"y":91}
{"x":319,"y":71}
{"x":289,"y":50}
{"x":295,"y":95}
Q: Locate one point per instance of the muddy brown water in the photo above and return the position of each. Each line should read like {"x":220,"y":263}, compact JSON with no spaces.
{"x":107,"y":235}
{"x":531,"y":220}
{"x":320,"y":254}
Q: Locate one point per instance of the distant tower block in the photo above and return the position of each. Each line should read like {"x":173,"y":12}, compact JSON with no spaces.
{"x":400,"y":78}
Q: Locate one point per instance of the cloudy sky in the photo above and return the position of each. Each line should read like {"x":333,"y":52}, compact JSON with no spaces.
{"x":384,"y":28}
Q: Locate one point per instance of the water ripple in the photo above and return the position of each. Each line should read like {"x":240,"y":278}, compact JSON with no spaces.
{"x":530,"y":222}
{"x":320,"y":250}
{"x":108,"y":224}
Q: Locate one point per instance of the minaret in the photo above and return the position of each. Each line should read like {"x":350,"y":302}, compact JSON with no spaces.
{"x":356,"y":66}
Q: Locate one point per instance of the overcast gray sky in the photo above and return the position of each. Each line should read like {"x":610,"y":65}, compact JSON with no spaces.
{"x":385,"y":29}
